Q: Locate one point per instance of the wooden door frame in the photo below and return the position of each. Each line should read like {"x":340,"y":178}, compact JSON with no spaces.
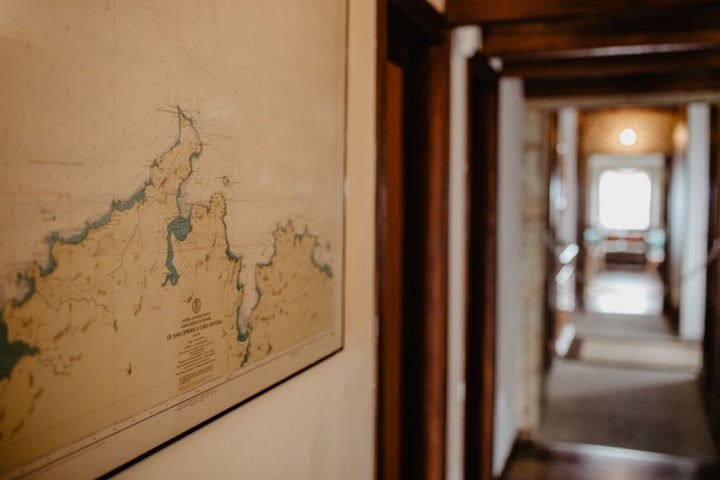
{"x":665,"y":270}
{"x":413,"y":31}
{"x":582,"y":205}
{"x":482,"y":261}
{"x":550,"y":288}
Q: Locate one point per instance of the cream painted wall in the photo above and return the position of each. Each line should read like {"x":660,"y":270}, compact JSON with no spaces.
{"x":319,"y":424}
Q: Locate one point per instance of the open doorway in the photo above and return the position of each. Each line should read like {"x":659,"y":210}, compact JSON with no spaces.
{"x":625,"y":237}
{"x":620,"y":372}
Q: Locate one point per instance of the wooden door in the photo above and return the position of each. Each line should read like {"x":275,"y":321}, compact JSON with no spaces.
{"x":413,"y":103}
{"x":482,"y":253}
{"x":391,"y":292}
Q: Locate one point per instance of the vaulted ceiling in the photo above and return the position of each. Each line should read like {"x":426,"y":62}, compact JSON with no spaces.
{"x":565,"y":47}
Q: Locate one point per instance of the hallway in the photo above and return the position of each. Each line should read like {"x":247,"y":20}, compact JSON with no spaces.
{"x":624,"y":402}
{"x":508,"y":133}
{"x":640,"y":409}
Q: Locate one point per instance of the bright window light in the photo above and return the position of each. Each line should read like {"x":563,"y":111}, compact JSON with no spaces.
{"x":624,"y":200}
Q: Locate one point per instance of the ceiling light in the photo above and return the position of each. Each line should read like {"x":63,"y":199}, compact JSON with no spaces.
{"x":628,"y":137}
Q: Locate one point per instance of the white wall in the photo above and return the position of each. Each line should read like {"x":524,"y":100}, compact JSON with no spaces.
{"x":568,"y":137}
{"x":677,"y":207}
{"x":320,"y":424}
{"x":692,"y":289}
{"x":465,"y":42}
{"x":509,"y":279}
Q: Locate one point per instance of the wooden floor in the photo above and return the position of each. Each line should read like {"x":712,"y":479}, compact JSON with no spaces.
{"x":584,"y":462}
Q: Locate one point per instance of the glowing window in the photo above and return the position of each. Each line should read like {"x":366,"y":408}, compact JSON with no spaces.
{"x":624,"y":200}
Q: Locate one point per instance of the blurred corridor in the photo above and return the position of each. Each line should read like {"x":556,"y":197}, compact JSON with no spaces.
{"x":624,"y":401}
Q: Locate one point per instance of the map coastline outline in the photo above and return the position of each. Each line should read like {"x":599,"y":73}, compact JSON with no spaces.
{"x":43,"y":269}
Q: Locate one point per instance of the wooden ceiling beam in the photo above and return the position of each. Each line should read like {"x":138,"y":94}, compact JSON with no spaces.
{"x":416,"y":19}
{"x":625,"y":65}
{"x":461,"y":12}
{"x":681,"y":29}
{"x":648,"y":83}
{"x":584,"y":47}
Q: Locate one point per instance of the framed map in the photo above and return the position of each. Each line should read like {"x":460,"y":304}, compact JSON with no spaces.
{"x":171,"y":208}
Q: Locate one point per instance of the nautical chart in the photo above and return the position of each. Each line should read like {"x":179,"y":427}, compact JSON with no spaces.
{"x":171,"y":209}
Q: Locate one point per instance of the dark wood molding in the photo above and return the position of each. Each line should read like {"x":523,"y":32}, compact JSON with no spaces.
{"x":482,"y":266}
{"x":491,"y":11}
{"x":436,"y":252}
{"x":415,"y":21}
{"x":649,"y":83}
{"x":582,"y":192}
{"x":412,"y":344}
{"x":694,"y":63}
{"x":639,"y":31}
{"x":549,"y":323}
{"x":589,"y":48}
{"x":480,"y":69}
{"x":427,"y":181}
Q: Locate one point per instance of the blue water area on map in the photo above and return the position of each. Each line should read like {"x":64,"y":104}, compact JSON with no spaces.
{"x":179,"y":228}
{"x":25,"y":284}
{"x":79,"y":237}
{"x":11,"y":352}
{"x":122,"y":205}
{"x":243,"y":330}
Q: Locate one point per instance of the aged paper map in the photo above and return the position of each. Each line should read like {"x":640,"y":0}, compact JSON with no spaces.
{"x":171,"y":216}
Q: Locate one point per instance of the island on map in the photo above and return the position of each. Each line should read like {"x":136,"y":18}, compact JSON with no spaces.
{"x":141,"y":305}
{"x":285,"y":313}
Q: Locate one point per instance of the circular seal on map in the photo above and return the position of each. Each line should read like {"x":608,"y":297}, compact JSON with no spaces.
{"x":196,"y":304}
